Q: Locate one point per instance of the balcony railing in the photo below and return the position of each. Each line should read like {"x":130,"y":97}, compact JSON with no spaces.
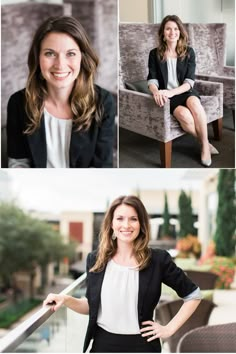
{"x":47,"y":331}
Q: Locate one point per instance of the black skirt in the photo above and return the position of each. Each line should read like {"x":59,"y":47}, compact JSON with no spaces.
{"x":180,"y":100}
{"x":106,"y":342}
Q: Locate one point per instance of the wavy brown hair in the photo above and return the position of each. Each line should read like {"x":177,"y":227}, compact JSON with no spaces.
{"x":83,"y":98}
{"x":181,"y":48}
{"x":108,"y":246}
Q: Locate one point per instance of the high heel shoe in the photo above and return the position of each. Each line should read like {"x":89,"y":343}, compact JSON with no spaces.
{"x":213,"y":150}
{"x":206,"y":163}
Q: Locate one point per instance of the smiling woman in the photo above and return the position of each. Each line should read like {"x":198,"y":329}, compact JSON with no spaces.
{"x":61,"y":118}
{"x":124,"y":279}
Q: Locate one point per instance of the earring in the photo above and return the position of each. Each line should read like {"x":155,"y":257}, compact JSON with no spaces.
{"x":113,"y":236}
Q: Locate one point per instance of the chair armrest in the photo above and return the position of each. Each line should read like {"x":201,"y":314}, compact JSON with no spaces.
{"x":209,"y":88}
{"x":139,"y":113}
{"x":229,"y":71}
{"x":216,"y":78}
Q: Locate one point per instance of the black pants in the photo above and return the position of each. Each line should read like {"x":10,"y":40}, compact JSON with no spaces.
{"x":106,"y":342}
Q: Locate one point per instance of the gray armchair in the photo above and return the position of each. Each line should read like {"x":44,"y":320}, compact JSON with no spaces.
{"x":209,"y":42}
{"x":137,"y":110}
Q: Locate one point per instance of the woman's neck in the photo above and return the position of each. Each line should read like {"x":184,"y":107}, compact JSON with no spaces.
{"x":171,"y":50}
{"x":57,"y":103}
{"x":124,"y":255}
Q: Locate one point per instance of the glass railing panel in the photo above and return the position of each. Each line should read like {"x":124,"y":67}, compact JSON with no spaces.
{"x":51,"y":332}
{"x":50,"y":337}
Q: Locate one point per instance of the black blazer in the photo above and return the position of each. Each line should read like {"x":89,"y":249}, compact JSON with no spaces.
{"x":158,"y":69}
{"x":160,"y":270}
{"x":91,"y":148}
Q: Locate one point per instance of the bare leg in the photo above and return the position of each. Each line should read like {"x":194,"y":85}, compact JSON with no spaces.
{"x":185,"y":119}
{"x":200,"y":120}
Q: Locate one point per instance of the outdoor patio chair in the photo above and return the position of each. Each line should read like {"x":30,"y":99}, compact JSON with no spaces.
{"x":205,"y":280}
{"x":209,"y":339}
{"x":166,"y":311}
{"x":209,"y":43}
{"x":137,"y":110}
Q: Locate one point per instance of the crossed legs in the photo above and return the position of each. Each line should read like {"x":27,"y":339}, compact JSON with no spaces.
{"x":193,"y":120}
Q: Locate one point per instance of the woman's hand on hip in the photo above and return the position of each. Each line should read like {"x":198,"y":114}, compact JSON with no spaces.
{"x":55,"y":300}
{"x":154,"y":330}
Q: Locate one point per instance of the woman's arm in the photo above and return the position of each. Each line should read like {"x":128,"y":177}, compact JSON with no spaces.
{"x":78,"y":305}
{"x":155,"y":330}
{"x":177,"y":91}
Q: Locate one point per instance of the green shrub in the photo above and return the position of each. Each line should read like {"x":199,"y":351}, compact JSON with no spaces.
{"x":13,"y":313}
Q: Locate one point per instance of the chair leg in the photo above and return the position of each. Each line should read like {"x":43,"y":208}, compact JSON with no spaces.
{"x":165,"y":154}
{"x":217,"y":128}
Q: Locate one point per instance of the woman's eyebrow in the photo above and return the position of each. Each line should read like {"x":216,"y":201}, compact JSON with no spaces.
{"x":68,"y":50}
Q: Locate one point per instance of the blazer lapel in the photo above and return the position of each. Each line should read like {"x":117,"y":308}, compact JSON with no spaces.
{"x":144,"y":280}
{"x":37,"y":143}
{"x":180,"y":70}
{"x":96,"y":280}
{"x":164,"y":71}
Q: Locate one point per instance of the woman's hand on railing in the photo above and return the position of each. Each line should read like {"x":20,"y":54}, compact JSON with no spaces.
{"x":55,"y":300}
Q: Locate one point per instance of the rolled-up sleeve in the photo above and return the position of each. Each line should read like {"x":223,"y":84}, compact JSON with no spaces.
{"x":194,"y":295}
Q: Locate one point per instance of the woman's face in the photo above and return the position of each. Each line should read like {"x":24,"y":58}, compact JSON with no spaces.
{"x":171,"y":32}
{"x":59,"y":60}
{"x":125,"y":223}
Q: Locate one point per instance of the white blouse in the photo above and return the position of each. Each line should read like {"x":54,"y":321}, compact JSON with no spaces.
{"x":172,"y":73}
{"x":58,"y":134}
{"x":118,"y":312}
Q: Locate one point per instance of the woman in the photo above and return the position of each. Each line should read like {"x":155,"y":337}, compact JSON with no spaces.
{"x":171,"y":76}
{"x":61,"y":119}
{"x":124,"y":285}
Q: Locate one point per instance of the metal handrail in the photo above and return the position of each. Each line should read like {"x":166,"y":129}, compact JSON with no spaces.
{"x":15,"y":337}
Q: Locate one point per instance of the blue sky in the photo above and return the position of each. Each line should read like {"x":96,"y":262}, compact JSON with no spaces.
{"x":54,"y":190}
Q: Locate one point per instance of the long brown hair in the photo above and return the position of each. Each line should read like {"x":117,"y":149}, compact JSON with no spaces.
{"x":181,"y":47}
{"x":108,"y":246}
{"x":83,"y":98}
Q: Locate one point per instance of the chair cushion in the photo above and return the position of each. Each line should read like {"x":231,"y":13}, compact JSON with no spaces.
{"x":140,"y":86}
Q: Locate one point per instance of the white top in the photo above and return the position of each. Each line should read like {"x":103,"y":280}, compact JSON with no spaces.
{"x":58,"y":134}
{"x":172,"y":73}
{"x":118,"y":312}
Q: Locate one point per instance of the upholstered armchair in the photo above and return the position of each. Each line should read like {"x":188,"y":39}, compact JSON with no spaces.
{"x":209,"y":43}
{"x":137,"y":110}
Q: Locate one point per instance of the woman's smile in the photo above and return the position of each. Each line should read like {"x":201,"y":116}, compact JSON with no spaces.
{"x":60,"y":76}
